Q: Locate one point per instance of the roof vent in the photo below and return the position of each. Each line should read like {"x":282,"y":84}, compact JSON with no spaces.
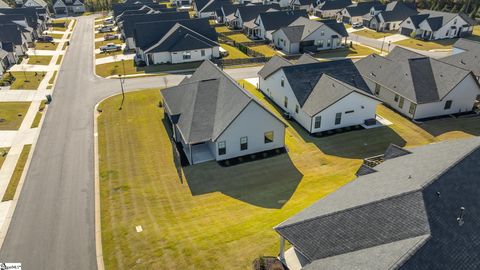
{"x":373,"y":74}
{"x":460,"y":216}
{"x":463,"y":62}
{"x":438,"y":194}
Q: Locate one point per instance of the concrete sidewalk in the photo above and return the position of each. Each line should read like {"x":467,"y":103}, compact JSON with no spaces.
{"x":110,"y":59}
{"x":23,"y":95}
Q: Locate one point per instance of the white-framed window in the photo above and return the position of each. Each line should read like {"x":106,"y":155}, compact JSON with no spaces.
{"x":187,"y":55}
{"x":318,"y":122}
{"x":338,"y":118}
{"x":222,"y":148}
{"x":243,"y":143}
{"x":448,"y":105}
{"x":202,"y":52}
{"x":322,"y":33}
{"x":282,"y":82}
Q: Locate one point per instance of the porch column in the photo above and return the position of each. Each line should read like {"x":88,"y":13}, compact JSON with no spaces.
{"x":281,"y":255}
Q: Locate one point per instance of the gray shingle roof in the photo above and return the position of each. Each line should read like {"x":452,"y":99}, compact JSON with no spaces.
{"x":394,"y":151}
{"x":211,"y":5}
{"x":436,"y":19}
{"x":206,"y":103}
{"x":302,"y":27}
{"x":11,"y":33}
{"x":468,"y":60}
{"x":421,"y":80}
{"x":361,"y":8}
{"x":306,"y":59}
{"x":364,"y":170}
{"x":249,"y":13}
{"x":334,"y":4}
{"x":339,"y":227}
{"x":274,"y":64}
{"x":398,"y":11}
{"x":275,"y":20}
{"x":130,"y":21}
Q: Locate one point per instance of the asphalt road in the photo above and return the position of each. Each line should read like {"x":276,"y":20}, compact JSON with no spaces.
{"x":53,"y":224}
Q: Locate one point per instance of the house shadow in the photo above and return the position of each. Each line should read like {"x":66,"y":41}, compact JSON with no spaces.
{"x":182,"y":68}
{"x":468,"y":123}
{"x":267,"y":183}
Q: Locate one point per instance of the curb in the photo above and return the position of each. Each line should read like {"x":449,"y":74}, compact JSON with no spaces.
{"x":98,"y":221}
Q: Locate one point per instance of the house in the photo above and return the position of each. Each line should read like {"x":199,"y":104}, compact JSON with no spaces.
{"x":38,"y":4}
{"x":4,"y":62}
{"x":13,"y":40}
{"x":407,"y":212}
{"x":330,"y":8}
{"x":418,"y":86}
{"x":466,"y":55}
{"x":433,"y":25}
{"x":226,"y":12}
{"x":245,"y":15}
{"x":129,"y":22}
{"x":268,"y":22}
{"x":304,"y":35}
{"x":34,"y":21}
{"x":3,"y":4}
{"x":20,"y":21}
{"x":119,"y":8}
{"x":208,"y":8}
{"x":320,"y":96}
{"x":68,"y":7}
{"x":214,"y":118}
{"x":355,"y":12}
{"x":175,"y":41}
{"x":388,"y":17}
{"x":307,"y":5}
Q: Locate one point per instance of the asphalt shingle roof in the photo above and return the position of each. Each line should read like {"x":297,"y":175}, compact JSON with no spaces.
{"x":276,"y":20}
{"x":274,"y":64}
{"x":361,"y":8}
{"x":436,"y":19}
{"x":334,"y":4}
{"x":306,"y":59}
{"x":11,"y":33}
{"x":249,"y":13}
{"x":469,"y":59}
{"x":420,"y":79}
{"x":210,"y":5}
{"x":398,"y":11}
{"x":130,"y":21}
{"x":302,"y":27}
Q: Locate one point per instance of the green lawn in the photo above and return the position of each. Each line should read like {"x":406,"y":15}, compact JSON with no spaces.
{"x":56,"y":36}
{"x":3,"y":155}
{"x":12,"y":114}
{"x":98,"y":44}
{"x":374,"y":34}
{"x":356,"y":50}
{"x":427,"y":45}
{"x":39,"y":60}
{"x":233,"y":53}
{"x":207,"y":216}
{"x":59,"y":59}
{"x":38,"y":116}
{"x":52,"y":79}
{"x":17,"y":173}
{"x":49,"y":46}
{"x":27,"y":80}
{"x":107,"y":54}
{"x":240,"y":38}
{"x":265,"y":50}
{"x":116,"y":68}
{"x":222,"y":29}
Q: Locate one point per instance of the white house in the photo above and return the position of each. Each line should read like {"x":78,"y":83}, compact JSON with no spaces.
{"x":214,"y":118}
{"x":304,"y":35}
{"x":433,"y":25}
{"x":307,"y":5}
{"x":330,"y":8}
{"x":68,"y":7}
{"x":389,"y":17}
{"x":355,"y":12}
{"x":246,"y":15}
{"x":208,"y":8}
{"x":320,"y":96}
{"x":268,"y":22}
{"x":418,"y":86}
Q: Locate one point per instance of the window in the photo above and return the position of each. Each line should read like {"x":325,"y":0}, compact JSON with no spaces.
{"x":448,"y":105}
{"x":285,"y":102}
{"x":322,"y":33}
{"x":296,"y":108}
{"x":400,"y":104}
{"x":338,"y":118}
{"x":268,"y":137}
{"x":320,"y":43}
{"x":318,"y":122}
{"x":396,"y":97}
{"x":328,"y":43}
{"x":351,"y":111}
{"x":187,"y":55}
{"x":202,"y":52}
{"x":243,"y":143}
{"x":377,"y":89}
{"x":282,"y":82}
{"x":222,"y":148}
{"x":412,"y":108}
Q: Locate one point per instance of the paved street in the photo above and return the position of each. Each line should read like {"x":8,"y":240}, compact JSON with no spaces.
{"x":53,"y":224}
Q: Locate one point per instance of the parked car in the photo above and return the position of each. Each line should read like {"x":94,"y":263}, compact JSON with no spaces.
{"x":45,"y":39}
{"x":357,"y":25}
{"x":110,"y":47}
{"x":105,"y":29}
{"x":110,"y":37}
{"x":108,"y":21}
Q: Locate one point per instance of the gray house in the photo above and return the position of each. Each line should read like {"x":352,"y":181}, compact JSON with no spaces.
{"x":213,"y":118}
{"x":68,"y":7}
{"x":416,"y":209}
{"x":418,"y":86}
{"x":466,"y":55}
{"x":305,"y":35}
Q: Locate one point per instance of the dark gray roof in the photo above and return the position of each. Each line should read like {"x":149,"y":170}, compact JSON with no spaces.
{"x":274,"y":64}
{"x":469,"y":59}
{"x":181,"y":38}
{"x":364,"y":170}
{"x":120,"y":8}
{"x":306,"y":59}
{"x":130,"y":21}
{"x":249,"y":13}
{"x":436,"y":19}
{"x":11,"y":33}
{"x":303,"y":79}
{"x":229,"y":9}
{"x":30,"y":13}
{"x":419,"y":79}
{"x":275,"y":20}
{"x":334,"y":4}
{"x":394,"y":151}
{"x":206,"y":103}
{"x":361,"y":8}
{"x":398,"y":11}
{"x":362,"y":219}
{"x":148,"y":33}
{"x":302,"y":27}
{"x":210,"y":5}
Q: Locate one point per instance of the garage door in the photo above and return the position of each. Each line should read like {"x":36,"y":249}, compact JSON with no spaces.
{"x":405,"y":31}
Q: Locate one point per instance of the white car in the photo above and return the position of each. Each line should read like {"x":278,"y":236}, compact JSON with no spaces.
{"x":105,"y":29}
{"x":357,"y":25}
{"x":110,"y":47}
{"x":108,"y":21}
{"x":110,"y":37}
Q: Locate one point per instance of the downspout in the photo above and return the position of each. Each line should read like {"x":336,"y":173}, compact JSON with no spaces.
{"x":281,"y":255}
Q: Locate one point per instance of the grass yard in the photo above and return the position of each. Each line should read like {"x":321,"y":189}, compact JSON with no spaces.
{"x":116,"y":68}
{"x":3,"y":155}
{"x":107,"y":54}
{"x":29,"y":80}
{"x":52,"y":79}
{"x":38,"y":116}
{"x":12,"y":114}
{"x":222,"y":29}
{"x":240,"y":38}
{"x":98,"y":44}
{"x":233,"y":53}
{"x":39,"y":60}
{"x":373,"y":34}
{"x":355,"y":50}
{"x":56,"y":36}
{"x":59,"y":59}
{"x":49,"y":46}
{"x":101,"y":35}
{"x":17,"y":173}
{"x":427,"y":45}
{"x":265,"y":50}
{"x":211,"y":217}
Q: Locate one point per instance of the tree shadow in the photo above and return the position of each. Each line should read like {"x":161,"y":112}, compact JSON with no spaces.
{"x":267,"y":183}
{"x":469,"y":124}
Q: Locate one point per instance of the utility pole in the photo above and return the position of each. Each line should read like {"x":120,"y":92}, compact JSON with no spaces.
{"x":123,"y":92}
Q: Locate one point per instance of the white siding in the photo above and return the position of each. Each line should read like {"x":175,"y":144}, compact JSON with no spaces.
{"x":253,"y":122}
{"x":177,"y":57}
